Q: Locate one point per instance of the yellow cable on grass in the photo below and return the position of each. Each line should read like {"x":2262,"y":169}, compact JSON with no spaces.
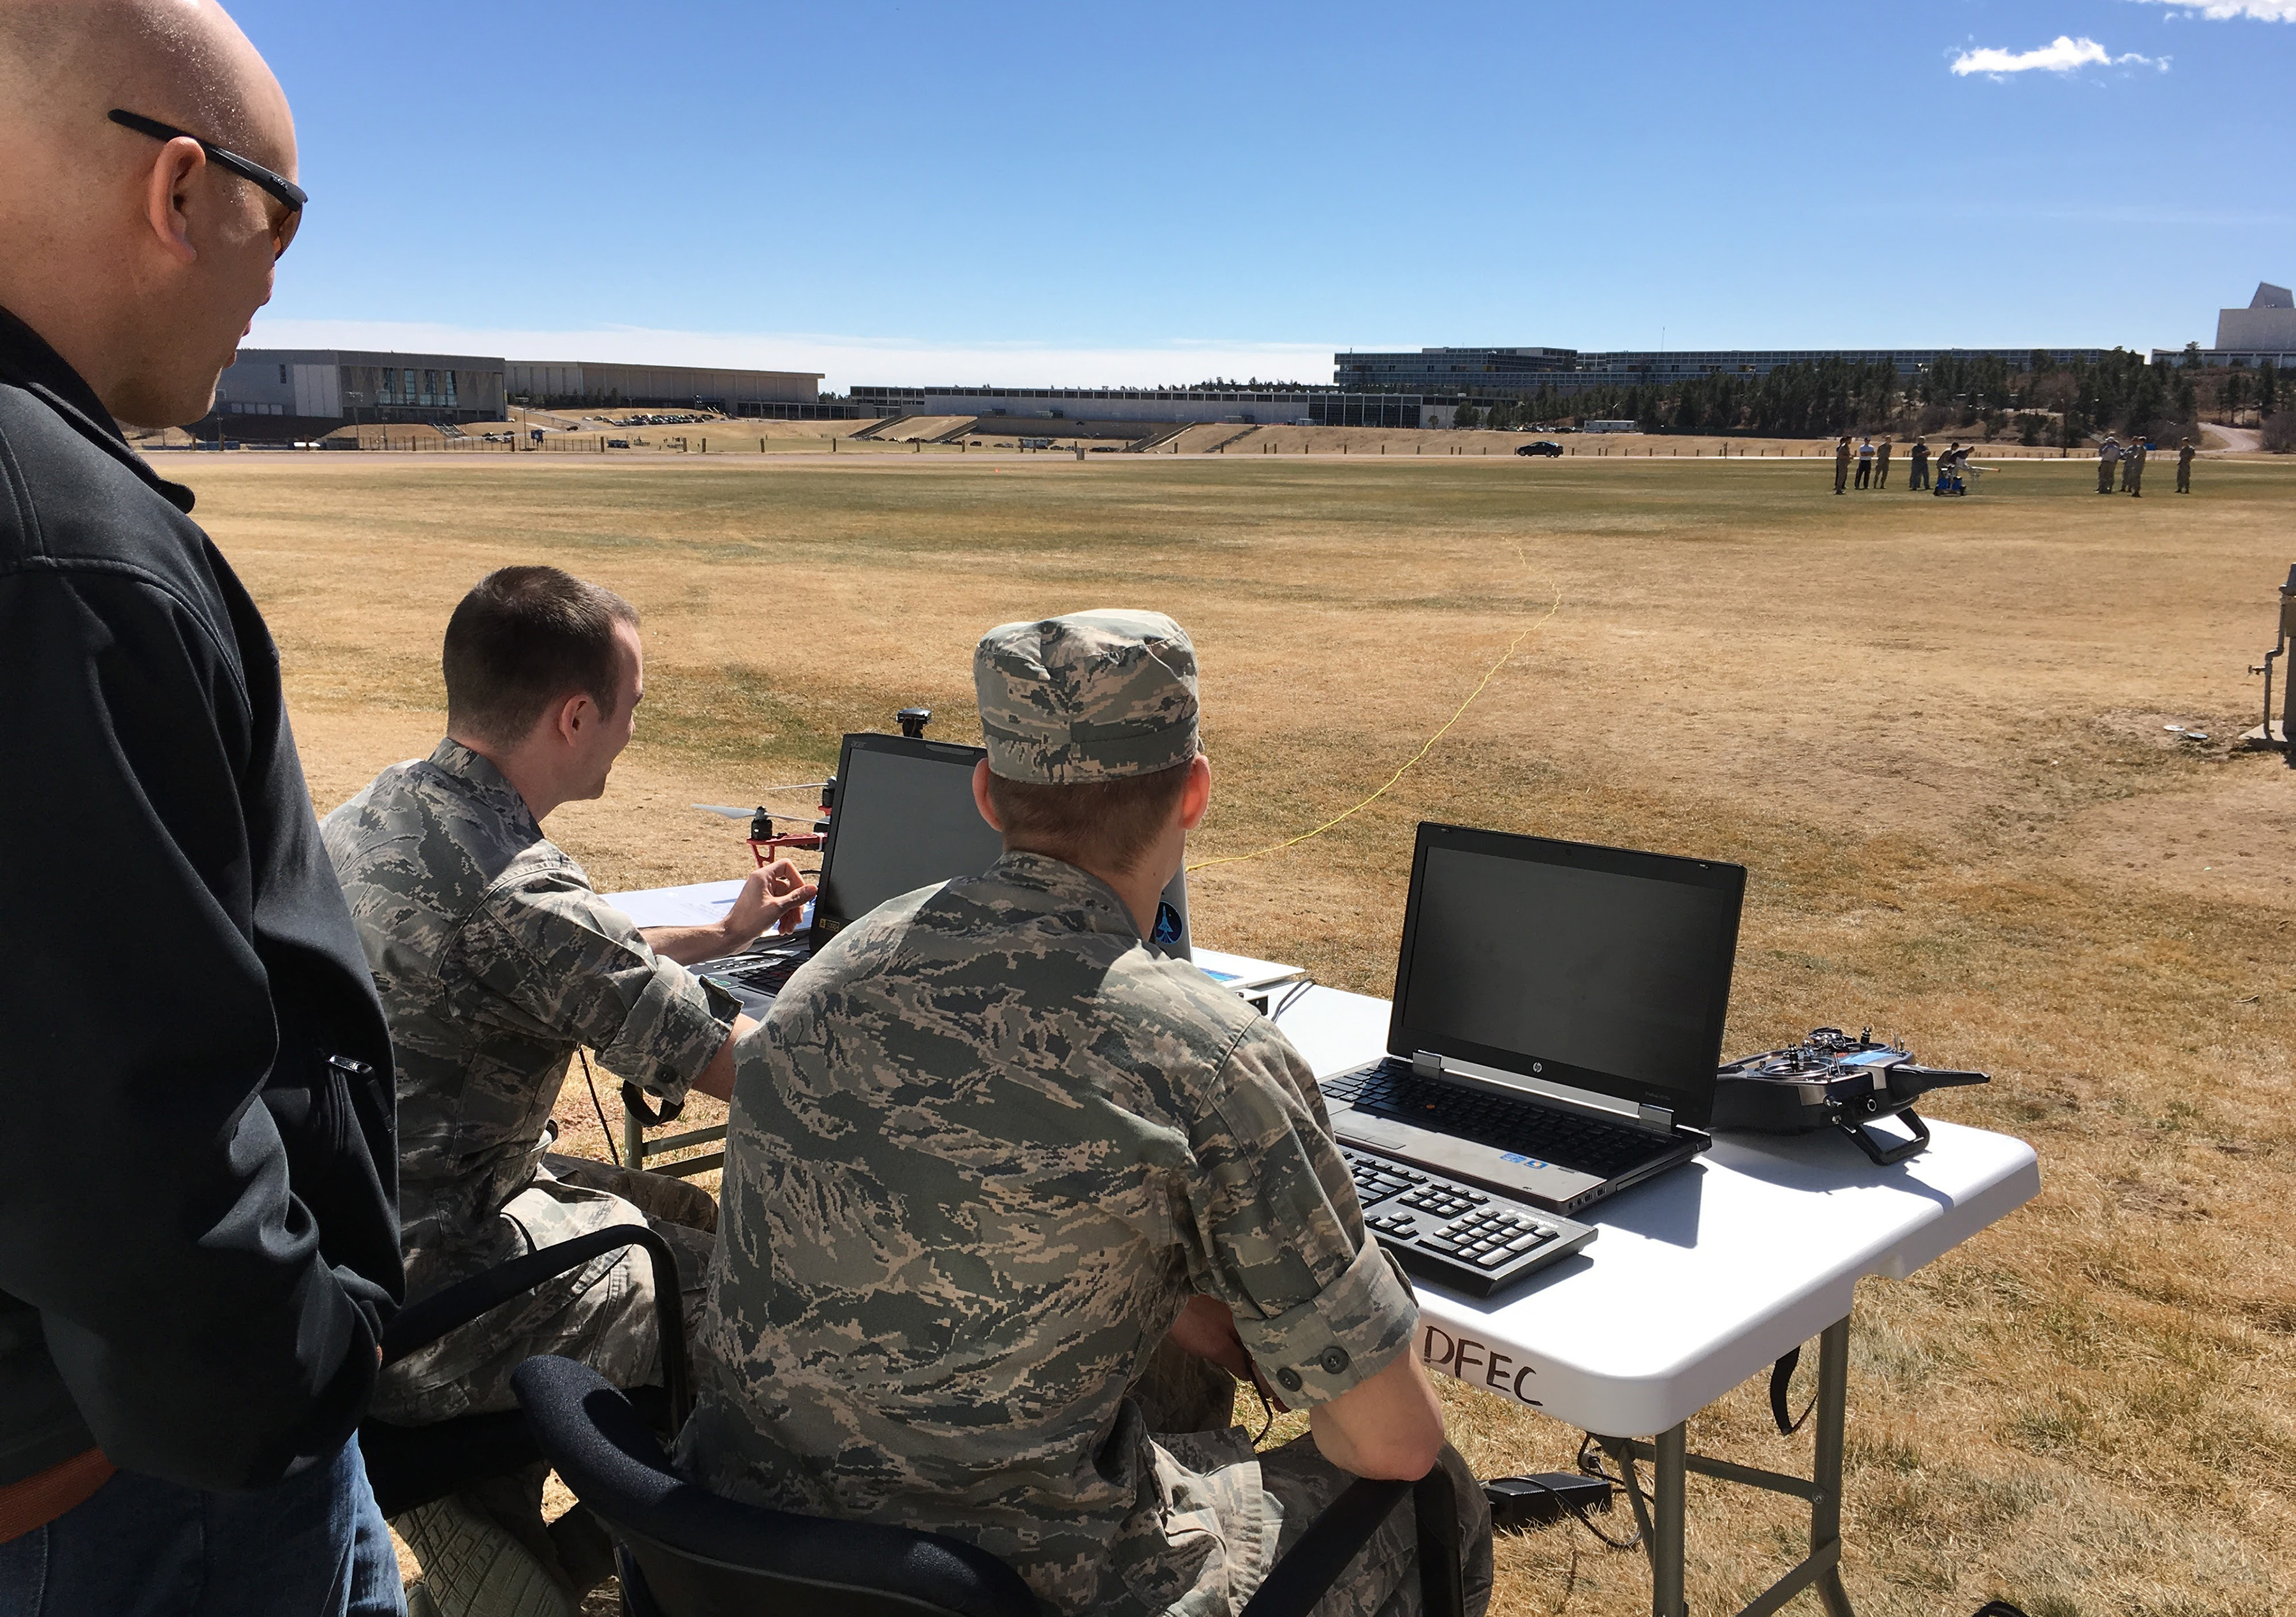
{"x":1490,"y":674}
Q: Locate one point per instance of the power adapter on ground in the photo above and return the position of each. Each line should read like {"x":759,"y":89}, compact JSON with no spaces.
{"x":1534,"y":1501}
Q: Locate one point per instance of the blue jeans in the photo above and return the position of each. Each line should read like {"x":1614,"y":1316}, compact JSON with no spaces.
{"x":313,"y":1545}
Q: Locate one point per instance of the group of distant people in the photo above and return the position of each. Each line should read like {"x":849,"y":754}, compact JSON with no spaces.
{"x":1873,"y":462}
{"x":2129,"y":460}
{"x":2112,"y":455}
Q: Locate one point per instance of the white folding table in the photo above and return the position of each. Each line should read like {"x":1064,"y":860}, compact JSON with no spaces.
{"x":1700,"y":1278}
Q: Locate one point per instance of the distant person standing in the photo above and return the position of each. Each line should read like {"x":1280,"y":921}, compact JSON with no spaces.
{"x":2185,"y":467}
{"x":1919,"y":478}
{"x":1842,"y":464}
{"x":2132,"y":466}
{"x":1882,"y":464}
{"x":1865,"y":463}
{"x":2108,"y":456}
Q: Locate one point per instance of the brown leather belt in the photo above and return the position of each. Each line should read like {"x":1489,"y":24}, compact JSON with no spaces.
{"x":43,"y":1496}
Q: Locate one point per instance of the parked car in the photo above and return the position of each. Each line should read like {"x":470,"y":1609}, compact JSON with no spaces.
{"x":618,"y":443}
{"x":1541,"y":448}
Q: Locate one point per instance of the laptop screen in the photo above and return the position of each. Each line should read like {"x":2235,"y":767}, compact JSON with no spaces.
{"x":1597,"y":968}
{"x":905,"y":820}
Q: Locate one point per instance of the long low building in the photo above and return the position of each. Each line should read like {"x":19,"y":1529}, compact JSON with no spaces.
{"x":1324,"y":407}
{"x":589,"y":381}
{"x":283,"y":394}
{"x":1486,"y":372}
{"x":278,"y":395}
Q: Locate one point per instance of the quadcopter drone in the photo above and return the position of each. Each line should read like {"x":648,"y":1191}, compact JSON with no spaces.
{"x":766,"y":843}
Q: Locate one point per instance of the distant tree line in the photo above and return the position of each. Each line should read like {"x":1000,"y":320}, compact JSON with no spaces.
{"x":2042,"y":401}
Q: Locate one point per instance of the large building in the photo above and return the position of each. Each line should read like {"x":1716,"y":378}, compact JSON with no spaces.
{"x":2262,"y":333}
{"x":1522,"y":370}
{"x":279,"y":395}
{"x":1325,"y":406}
{"x":283,"y":394}
{"x":779,"y":394}
{"x":2268,"y":326}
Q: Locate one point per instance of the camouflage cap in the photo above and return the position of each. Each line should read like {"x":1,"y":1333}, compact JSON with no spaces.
{"x":1090,"y":696}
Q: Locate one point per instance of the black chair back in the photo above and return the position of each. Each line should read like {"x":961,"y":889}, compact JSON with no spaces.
{"x":411,"y":1466}
{"x":686,"y":1552}
{"x":694,"y":1553}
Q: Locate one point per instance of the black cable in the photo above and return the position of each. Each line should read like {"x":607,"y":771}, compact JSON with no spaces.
{"x":598,"y":1105}
{"x":1590,"y":1467}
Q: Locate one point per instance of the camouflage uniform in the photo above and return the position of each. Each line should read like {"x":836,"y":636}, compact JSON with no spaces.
{"x":981,"y":1154}
{"x":496,"y":959}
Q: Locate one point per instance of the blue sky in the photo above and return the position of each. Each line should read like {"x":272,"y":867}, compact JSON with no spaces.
{"x":1099,"y":196}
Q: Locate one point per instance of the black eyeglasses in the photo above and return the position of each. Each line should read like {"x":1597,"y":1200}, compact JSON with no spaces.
{"x":290,"y":194}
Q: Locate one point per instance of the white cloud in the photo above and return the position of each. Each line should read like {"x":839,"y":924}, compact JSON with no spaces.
{"x":2063,"y":54}
{"x":2262,"y":10}
{"x":843,"y":360}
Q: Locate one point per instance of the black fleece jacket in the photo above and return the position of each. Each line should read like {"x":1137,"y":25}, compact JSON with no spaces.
{"x":198,"y":1235}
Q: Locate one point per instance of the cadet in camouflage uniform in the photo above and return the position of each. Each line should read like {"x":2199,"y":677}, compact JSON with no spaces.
{"x":996,"y":1171}
{"x":496,"y":960}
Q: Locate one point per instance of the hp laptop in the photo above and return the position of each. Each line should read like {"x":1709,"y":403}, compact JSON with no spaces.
{"x":1558,"y":1016}
{"x":905,"y":818}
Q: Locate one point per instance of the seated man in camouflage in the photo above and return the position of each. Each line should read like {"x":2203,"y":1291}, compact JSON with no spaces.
{"x":1004,"y":1184}
{"x":495,"y":961}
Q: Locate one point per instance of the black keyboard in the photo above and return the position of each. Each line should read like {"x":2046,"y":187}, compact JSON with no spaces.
{"x":1462,"y":1238}
{"x":1552,"y":1134}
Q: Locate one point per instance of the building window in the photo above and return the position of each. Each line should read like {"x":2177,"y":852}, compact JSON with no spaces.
{"x":282,"y":375}
{"x":407,"y":387}
{"x":449,"y":400}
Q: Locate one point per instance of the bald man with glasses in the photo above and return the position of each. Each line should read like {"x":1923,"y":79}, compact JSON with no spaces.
{"x":199,"y":1243}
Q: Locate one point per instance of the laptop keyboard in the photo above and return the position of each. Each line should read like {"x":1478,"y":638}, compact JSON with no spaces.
{"x":1568,"y":1139}
{"x":1469,"y":1240}
{"x":763,"y":976}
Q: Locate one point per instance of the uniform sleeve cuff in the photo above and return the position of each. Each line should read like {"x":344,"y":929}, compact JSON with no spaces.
{"x":1339,"y":1338}
{"x":683,"y":1034}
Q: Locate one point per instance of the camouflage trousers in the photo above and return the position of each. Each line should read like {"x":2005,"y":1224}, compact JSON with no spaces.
{"x":1180,"y":1394}
{"x":601,"y":1314}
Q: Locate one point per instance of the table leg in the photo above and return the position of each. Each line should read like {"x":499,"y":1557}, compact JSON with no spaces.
{"x":1661,"y":1518}
{"x":1825,"y":1510}
{"x":1670,"y":1505}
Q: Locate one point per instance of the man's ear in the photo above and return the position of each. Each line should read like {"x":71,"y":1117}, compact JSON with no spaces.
{"x":167,"y":196}
{"x":980,"y":800}
{"x":574,"y":715}
{"x":1196,"y":796}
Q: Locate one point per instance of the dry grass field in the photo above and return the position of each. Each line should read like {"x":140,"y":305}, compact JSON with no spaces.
{"x":1932,"y":729}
